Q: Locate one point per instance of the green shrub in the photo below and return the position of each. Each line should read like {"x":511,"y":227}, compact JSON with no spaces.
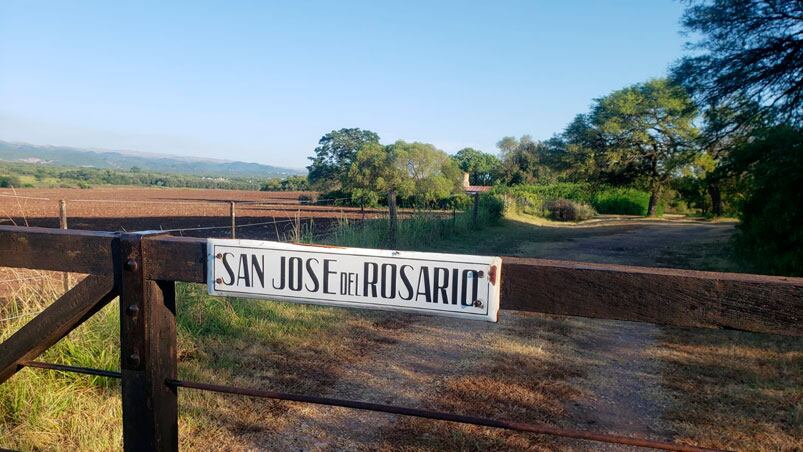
{"x":565,"y":210}
{"x":573,"y":191}
{"x":421,"y":228}
{"x":770,"y":235}
{"x":9,"y":181}
{"x":621,"y":201}
{"x":523,"y":202}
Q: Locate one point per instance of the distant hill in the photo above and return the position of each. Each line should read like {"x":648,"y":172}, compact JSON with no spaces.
{"x":125,"y":160}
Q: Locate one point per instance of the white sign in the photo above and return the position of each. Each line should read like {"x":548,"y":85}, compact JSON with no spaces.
{"x":444,"y":284}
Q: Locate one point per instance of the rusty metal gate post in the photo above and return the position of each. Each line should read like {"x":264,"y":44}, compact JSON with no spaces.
{"x":147,"y":352}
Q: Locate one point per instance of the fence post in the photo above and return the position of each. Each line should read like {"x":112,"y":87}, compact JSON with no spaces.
{"x":147,"y":353}
{"x":297,"y":226}
{"x":233,"y":221}
{"x":476,"y":208}
{"x":65,"y":277}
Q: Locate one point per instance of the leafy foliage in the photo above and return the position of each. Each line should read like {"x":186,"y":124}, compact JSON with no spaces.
{"x":621,"y":201}
{"x":525,"y":161}
{"x":334,"y":156}
{"x":749,"y":51}
{"x":644,"y":132}
{"x":416,"y":170}
{"x":771,"y":230}
{"x":483,"y":168}
{"x":292,"y":183}
{"x":38,"y":175}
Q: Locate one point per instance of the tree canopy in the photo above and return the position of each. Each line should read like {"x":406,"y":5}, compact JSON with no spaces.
{"x":482,"y":167}
{"x":748,"y":51}
{"x":406,"y":169}
{"x":645,"y":131}
{"x":334,"y":155}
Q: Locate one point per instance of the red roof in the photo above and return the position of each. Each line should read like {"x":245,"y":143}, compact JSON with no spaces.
{"x":477,"y":188}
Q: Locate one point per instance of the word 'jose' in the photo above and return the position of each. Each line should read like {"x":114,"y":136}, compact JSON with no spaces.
{"x":445,"y":284}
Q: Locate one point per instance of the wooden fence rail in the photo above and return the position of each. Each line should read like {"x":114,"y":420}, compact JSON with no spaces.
{"x":142,"y":268}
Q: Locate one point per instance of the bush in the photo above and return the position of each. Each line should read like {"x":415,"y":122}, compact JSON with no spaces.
{"x":573,"y":191}
{"x":565,"y":210}
{"x":621,"y":201}
{"x":9,"y":181}
{"x":770,"y":236}
{"x":523,"y":202}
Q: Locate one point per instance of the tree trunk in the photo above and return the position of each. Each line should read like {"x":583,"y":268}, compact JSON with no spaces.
{"x":655,"y":196}
{"x":393,"y":219}
{"x":716,"y":198}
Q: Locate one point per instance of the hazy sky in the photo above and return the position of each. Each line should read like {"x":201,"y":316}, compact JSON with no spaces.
{"x":262,"y":81}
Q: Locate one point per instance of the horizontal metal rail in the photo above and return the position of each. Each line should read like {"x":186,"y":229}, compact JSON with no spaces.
{"x":541,"y":429}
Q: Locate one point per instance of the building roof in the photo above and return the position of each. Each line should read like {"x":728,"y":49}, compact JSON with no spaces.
{"x":477,"y":188}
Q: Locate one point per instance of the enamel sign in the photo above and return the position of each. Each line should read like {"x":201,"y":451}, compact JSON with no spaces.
{"x":428,"y":283}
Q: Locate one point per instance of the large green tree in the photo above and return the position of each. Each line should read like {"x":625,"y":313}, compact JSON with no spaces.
{"x":525,"y":161}
{"x":334,"y":155}
{"x":481,"y":167}
{"x":645,"y":131}
{"x":747,"y":51}
{"x":403,"y":169}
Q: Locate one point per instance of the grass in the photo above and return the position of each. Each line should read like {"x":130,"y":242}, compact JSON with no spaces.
{"x":219,"y":340}
{"x":734,"y":390}
{"x":421,"y":228}
{"x":57,"y":410}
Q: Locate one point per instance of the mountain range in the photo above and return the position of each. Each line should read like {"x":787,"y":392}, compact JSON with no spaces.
{"x":125,"y":160}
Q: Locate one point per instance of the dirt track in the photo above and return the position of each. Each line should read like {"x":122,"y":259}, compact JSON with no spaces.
{"x":594,"y":375}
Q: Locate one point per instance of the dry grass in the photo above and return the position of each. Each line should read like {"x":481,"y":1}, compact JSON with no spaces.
{"x":523,"y":376}
{"x":734,"y":390}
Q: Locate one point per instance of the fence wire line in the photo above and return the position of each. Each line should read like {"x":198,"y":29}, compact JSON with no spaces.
{"x":228,"y":226}
{"x":277,"y":201}
{"x":25,"y":278}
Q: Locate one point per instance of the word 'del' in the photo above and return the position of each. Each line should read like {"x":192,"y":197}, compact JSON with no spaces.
{"x":445,"y":284}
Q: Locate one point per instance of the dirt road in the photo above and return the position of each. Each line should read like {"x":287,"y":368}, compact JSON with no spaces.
{"x":594,"y":375}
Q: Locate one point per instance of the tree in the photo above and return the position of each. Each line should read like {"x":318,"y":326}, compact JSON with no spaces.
{"x":334,"y":155}
{"x":378,"y":168}
{"x":403,"y":169}
{"x":644,"y":131}
{"x":524,"y":161}
{"x":725,"y":128}
{"x":434,"y":174}
{"x":481,"y":167}
{"x":770,"y":233}
{"x":749,"y":51}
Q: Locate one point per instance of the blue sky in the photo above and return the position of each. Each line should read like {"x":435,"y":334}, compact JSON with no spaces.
{"x":262,"y":81}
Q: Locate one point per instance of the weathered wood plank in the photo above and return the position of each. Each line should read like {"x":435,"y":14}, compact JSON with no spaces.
{"x":767,"y":304}
{"x":55,"y":322}
{"x":148,"y":352}
{"x":175,"y":258}
{"x":57,"y":249}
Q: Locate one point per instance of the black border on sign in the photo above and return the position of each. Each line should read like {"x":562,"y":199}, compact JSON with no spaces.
{"x":325,"y":302}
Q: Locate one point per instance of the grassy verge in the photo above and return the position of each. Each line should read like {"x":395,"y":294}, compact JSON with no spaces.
{"x":421,"y":229}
